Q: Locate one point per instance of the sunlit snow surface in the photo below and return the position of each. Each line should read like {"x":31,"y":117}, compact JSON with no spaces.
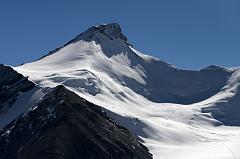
{"x":169,"y":130}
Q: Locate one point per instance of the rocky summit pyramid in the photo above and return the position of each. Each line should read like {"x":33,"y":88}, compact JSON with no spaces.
{"x":175,"y":113}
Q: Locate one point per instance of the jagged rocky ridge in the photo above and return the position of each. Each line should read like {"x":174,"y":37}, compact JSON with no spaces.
{"x":63,"y":125}
{"x":11,"y":85}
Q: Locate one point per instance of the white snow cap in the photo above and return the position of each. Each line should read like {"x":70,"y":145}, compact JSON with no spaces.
{"x":111,"y":31}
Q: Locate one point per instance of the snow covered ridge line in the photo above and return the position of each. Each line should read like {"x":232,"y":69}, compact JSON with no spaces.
{"x":63,"y":125}
{"x":37,"y":115}
{"x":112,"y":31}
{"x":17,"y":94}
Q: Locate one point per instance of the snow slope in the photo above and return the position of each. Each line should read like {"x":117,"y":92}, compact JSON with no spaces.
{"x":176,"y":113}
{"x":23,"y":103}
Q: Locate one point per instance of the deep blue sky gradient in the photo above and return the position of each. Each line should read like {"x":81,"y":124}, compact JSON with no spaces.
{"x":190,"y":34}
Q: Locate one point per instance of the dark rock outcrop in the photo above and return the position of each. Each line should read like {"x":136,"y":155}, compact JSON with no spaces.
{"x":11,"y":85}
{"x":66,"y":126}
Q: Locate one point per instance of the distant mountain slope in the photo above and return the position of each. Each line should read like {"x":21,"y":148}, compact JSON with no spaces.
{"x":226,"y":105}
{"x":63,"y":125}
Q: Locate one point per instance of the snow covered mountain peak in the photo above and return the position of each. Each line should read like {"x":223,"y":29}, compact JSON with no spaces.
{"x":106,"y":38}
{"x":111,"y":31}
{"x":173,"y":111}
{"x":101,"y":61}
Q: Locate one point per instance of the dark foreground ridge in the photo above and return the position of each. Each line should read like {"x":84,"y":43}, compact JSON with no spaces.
{"x":11,"y":85}
{"x":65,"y":126}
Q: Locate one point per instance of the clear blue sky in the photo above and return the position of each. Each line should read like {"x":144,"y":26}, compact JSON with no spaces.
{"x":190,"y":34}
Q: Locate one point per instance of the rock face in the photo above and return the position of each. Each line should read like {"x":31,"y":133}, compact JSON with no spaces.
{"x":11,"y":85}
{"x":111,"y":31}
{"x":64,"y":126}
